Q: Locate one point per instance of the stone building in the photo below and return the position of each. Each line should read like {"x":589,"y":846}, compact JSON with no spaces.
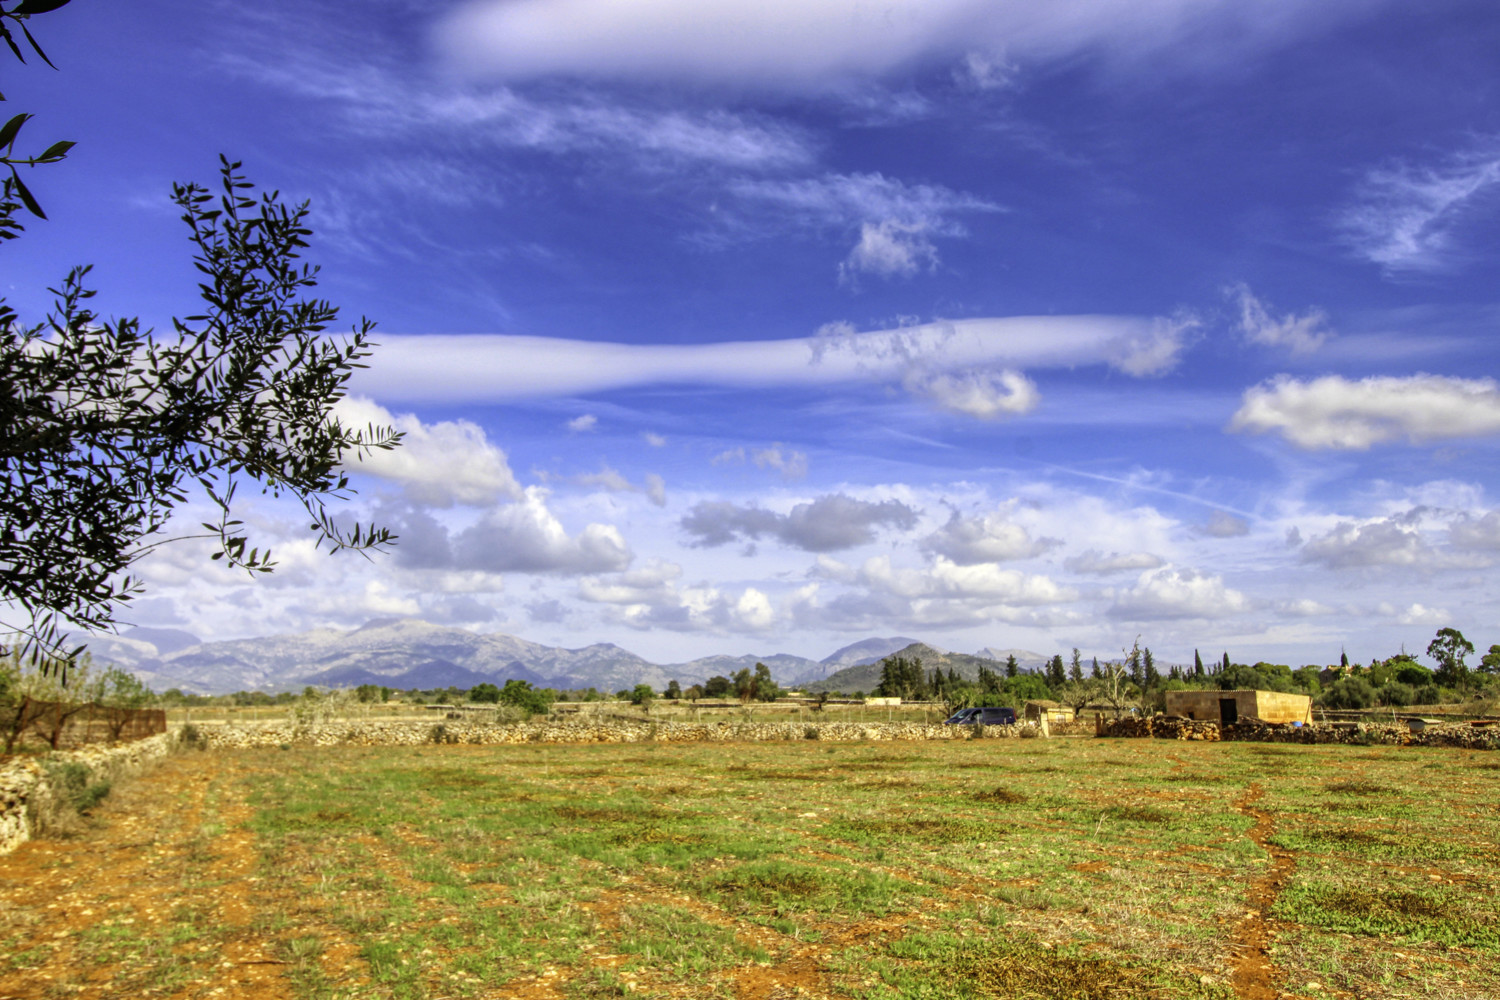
{"x":1228,"y":707}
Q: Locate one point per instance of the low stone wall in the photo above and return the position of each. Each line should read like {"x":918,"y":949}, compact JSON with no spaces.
{"x":1253,"y":730}
{"x":26,"y":783}
{"x":578,"y":731}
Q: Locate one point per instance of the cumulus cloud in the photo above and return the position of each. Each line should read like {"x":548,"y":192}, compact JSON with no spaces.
{"x":1404,"y":216}
{"x":1392,"y":541}
{"x":826,"y":44}
{"x":1222,"y":524}
{"x":653,"y":597}
{"x":1096,"y":563}
{"x":983,"y":394}
{"x":1469,"y":532}
{"x":583,"y":422}
{"x":1169,"y":593}
{"x":1415,"y":614}
{"x":945,"y":578}
{"x":1334,"y":412}
{"x":991,"y":538}
{"x":890,"y":249}
{"x":523,"y":537}
{"x":791,"y":464}
{"x":1301,"y":334}
{"x":439,"y":464}
{"x":827,"y":524}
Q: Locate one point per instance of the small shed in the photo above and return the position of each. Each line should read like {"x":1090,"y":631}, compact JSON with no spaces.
{"x":1229,"y":707}
{"x":1051,"y":711}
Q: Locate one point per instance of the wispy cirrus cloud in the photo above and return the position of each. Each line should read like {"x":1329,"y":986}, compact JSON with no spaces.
{"x":1405,"y":216}
{"x":824,"y":44}
{"x":1302,"y":334}
{"x":493,"y":367}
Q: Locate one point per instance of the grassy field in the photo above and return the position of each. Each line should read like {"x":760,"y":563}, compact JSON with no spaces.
{"x":1075,"y":868}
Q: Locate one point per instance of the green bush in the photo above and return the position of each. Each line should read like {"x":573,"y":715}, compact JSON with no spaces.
{"x":1397,"y":695}
{"x":1348,"y":693}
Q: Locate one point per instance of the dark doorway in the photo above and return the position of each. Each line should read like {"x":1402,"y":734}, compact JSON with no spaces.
{"x":1229,"y":712}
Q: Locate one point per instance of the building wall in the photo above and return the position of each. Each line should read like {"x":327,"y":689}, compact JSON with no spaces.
{"x":1268,"y":706}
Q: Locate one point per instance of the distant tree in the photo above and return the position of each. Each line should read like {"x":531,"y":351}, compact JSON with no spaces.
{"x":1075,"y":667}
{"x":1449,"y":649}
{"x":532,"y":701}
{"x":674,"y":690}
{"x":1097,"y":673}
{"x":1136,"y":665}
{"x":716,"y":687}
{"x":693,"y":693}
{"x":1225,"y":664}
{"x":1057,"y":674}
{"x":989,"y":685}
{"x":1012,"y":668}
{"x":902,"y":677}
{"x":1197,"y":664}
{"x":1343,"y":659}
{"x":1114,"y":687}
{"x":123,"y":691}
{"x":1490,"y":662}
{"x":1148,"y":669}
{"x":766,"y":689}
{"x":1026,"y":687}
{"x":485,"y":693}
{"x":642,"y":694}
{"x":1077,"y":694}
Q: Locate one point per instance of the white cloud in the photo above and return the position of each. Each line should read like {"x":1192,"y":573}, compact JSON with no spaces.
{"x":582,"y":423}
{"x":612,"y":481}
{"x":890,"y":249}
{"x":1168,"y":593}
{"x":1415,"y":614}
{"x":438,"y":464}
{"x":1393,"y":541}
{"x":1404,"y":217}
{"x":983,"y":394}
{"x":652,"y":597}
{"x":1222,"y":524}
{"x":654,"y":440}
{"x":1305,"y":607}
{"x":1301,"y":334}
{"x":492,"y":367}
{"x":791,"y":464}
{"x":824,"y":44}
{"x":827,"y":524}
{"x":990,"y":538}
{"x":984,"y":71}
{"x":946,"y":579}
{"x":1470,"y":533}
{"x":1096,"y":563}
{"x":1154,"y":349}
{"x":523,"y":537}
{"x":1334,"y":412}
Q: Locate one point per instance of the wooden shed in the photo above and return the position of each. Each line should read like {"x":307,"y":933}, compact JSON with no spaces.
{"x":1228,"y":707}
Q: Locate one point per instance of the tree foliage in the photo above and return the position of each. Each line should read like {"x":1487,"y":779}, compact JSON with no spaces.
{"x":1449,"y":648}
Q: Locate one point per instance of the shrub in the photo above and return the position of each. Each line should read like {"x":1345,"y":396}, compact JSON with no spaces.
{"x":1397,"y":695}
{"x":1348,"y":692}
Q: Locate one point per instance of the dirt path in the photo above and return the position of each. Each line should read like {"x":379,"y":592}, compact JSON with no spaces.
{"x":164,"y":869}
{"x":1252,"y":973}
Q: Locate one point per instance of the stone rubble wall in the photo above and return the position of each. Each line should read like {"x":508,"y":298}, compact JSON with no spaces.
{"x":1165,"y":727}
{"x":574,"y":731}
{"x":26,"y":782}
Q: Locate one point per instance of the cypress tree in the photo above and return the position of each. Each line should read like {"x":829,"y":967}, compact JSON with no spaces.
{"x":1075,"y":670}
{"x":1197,"y":664}
{"x":1012,"y":668}
{"x":1097,"y":672}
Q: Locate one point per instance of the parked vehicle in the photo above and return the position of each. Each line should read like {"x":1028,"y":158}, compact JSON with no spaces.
{"x":985,"y":716}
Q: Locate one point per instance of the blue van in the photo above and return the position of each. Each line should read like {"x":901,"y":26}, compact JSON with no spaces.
{"x":986,"y":716}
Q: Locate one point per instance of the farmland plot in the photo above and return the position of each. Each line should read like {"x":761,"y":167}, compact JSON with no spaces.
{"x":1063,"y":868}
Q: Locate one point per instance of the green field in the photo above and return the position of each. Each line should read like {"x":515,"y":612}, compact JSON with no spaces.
{"x":986,"y":868}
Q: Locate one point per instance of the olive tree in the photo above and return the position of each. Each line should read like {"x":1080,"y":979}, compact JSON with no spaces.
{"x":106,"y":428}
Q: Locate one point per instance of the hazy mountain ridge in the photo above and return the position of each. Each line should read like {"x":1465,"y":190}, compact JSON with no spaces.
{"x":410,"y":653}
{"x":866,"y":676}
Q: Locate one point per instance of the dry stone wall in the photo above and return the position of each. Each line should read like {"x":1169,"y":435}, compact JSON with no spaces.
{"x":1166,"y":727}
{"x":576,"y":731}
{"x":26,"y":783}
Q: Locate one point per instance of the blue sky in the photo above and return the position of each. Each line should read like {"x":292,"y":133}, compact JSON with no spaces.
{"x":758,"y":327}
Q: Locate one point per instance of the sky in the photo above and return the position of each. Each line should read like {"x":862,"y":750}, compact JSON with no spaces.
{"x":766,"y":327}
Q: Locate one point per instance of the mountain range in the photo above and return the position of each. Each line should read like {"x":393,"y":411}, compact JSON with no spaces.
{"x":408,"y":653}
